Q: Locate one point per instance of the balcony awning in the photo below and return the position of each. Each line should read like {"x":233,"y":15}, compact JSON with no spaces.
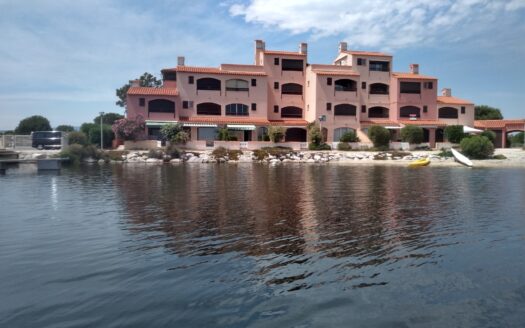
{"x":200,"y":125}
{"x":468,"y":129}
{"x":242,"y":127}
{"x":392,"y":127}
{"x":150,"y":123}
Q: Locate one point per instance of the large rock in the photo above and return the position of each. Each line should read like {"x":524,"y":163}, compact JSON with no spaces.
{"x":175,"y":161}
{"x":153,"y":160}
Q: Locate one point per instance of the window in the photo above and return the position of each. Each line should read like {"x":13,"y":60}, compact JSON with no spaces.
{"x":425,"y":109}
{"x":292,"y":112}
{"x":276,"y":109}
{"x":142,"y":102}
{"x":379,"y":66}
{"x":363,"y":109}
{"x":328,"y":106}
{"x":344,"y":110}
{"x":237,"y":110}
{"x":378,"y":89}
{"x":185,"y":104}
{"x":409,"y":111}
{"x":329,"y":81}
{"x":345,"y":85}
{"x":410,"y":87}
{"x":378,"y":112}
{"x":363,"y":85}
{"x":169,"y":76}
{"x":254,"y":82}
{"x":339,"y":132}
{"x":428,"y":85}
{"x":236,"y":85}
{"x":276,"y":85}
{"x":208,"y":83}
{"x":291,"y":89}
{"x":208,"y":109}
{"x":161,"y":106}
{"x":292,"y":65}
{"x":448,"y":112}
{"x":254,"y":106}
{"x":190,"y":79}
{"x":361,"y":61}
{"x":276,"y":61}
{"x":462,"y":109}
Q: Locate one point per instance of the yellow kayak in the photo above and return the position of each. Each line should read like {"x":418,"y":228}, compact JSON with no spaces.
{"x":419,"y":162}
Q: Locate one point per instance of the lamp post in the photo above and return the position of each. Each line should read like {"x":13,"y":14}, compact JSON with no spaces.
{"x":101,"y":134}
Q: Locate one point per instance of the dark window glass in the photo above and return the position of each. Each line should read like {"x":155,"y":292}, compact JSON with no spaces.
{"x":363,"y":85}
{"x":410,"y":87}
{"x":409,"y":111}
{"x":161,"y":106}
{"x":462,"y":110}
{"x":237,"y":110}
{"x":292,"y":89}
{"x":236,"y":85}
{"x":329,"y":81}
{"x":363,"y":109}
{"x":292,"y":65}
{"x":185,"y":104}
{"x":254,"y":106}
{"x":142,"y":102}
{"x":328,"y":106}
{"x":292,"y":112}
{"x":169,"y":76}
{"x":276,"y":61}
{"x":208,"y":109}
{"x":208,"y":83}
{"x":448,"y":112}
{"x":190,"y":79}
{"x":345,"y":85}
{"x":361,"y":61}
{"x":276,"y":109}
{"x":379,"y":66}
{"x":378,"y":112}
{"x":428,"y":85}
{"x":345,"y":110}
{"x":378,"y":89}
{"x":254,"y":82}
{"x":425,"y":109}
{"x":276,"y":85}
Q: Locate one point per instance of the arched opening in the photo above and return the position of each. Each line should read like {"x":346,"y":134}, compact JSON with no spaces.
{"x":344,"y":110}
{"x":409,"y":111}
{"x":208,"y":83}
{"x":379,"y":89}
{"x":448,"y":112}
{"x":208,"y":108}
{"x":378,"y":112}
{"x":514,"y":139}
{"x":236,"y":85}
{"x":345,"y":85}
{"x":161,"y":106}
{"x":291,"y":89}
{"x":237,"y":110}
{"x":291,"y":112}
{"x":295,"y":134}
{"x":339,"y":132}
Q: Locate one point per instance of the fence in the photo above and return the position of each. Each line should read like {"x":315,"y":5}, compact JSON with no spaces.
{"x":15,"y":141}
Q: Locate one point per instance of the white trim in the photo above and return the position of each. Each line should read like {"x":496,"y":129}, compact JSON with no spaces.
{"x":241,"y":127}
{"x":200,"y":125}
{"x":159,"y":123}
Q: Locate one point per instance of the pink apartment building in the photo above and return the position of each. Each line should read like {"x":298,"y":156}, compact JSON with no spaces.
{"x":356,"y":91}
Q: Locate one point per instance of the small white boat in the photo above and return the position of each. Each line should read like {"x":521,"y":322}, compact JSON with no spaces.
{"x":461,"y":158}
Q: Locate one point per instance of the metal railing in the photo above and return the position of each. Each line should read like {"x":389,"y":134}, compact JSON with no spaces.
{"x":15,"y":141}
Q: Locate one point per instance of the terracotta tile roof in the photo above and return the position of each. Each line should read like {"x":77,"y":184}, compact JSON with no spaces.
{"x":212,"y":70}
{"x":499,"y":124}
{"x":453,"y":101}
{"x":423,"y":122}
{"x":335,"y":73}
{"x":289,"y":122}
{"x":367,"y":53}
{"x":283,"y":53}
{"x":145,"y":91}
{"x":225,"y":120}
{"x":401,"y":75}
{"x":382,"y":122}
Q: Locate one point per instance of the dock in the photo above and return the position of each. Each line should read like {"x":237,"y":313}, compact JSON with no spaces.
{"x":43,"y":164}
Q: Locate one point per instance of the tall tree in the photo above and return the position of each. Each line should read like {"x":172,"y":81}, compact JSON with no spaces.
{"x":146,"y":80}
{"x":109,"y":118}
{"x":65,"y":128}
{"x":484,"y":112}
{"x":33,"y":123}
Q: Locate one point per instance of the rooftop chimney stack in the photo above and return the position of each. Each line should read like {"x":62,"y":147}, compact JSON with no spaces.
{"x":303,"y":48}
{"x":134,"y":83}
{"x":414,"y":68}
{"x":180,"y":61}
{"x":343,"y":46}
{"x":446,"y":92}
{"x":259,"y":49}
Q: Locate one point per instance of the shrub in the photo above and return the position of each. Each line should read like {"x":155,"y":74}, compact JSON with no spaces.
{"x":156,"y":153}
{"x":181,"y":138}
{"x":276,"y":133}
{"x":454,"y":133}
{"x":323,"y":146}
{"x":349,"y":136}
{"x":127,"y":129}
{"x":232,"y":154}
{"x":491,"y":135}
{"x":115,"y":155}
{"x":412,"y":134}
{"x":170,"y":131}
{"x":445,"y":153}
{"x":343,"y":146}
{"x":173,"y":151}
{"x":94,"y":135}
{"x":77,"y":153}
{"x":278,"y":151}
{"x":380,"y":136}
{"x":477,"y":147}
{"x":314,"y":134}
{"x":79,"y":138}
{"x":260,"y":154}
{"x":499,"y":156}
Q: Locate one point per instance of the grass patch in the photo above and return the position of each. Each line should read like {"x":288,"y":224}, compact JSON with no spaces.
{"x":499,"y":156}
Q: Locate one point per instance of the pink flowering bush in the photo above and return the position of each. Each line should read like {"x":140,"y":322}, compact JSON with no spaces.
{"x":127,"y":129}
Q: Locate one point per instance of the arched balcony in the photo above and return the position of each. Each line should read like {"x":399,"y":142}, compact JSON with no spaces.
{"x":237,"y":110}
{"x":409,"y":111}
{"x":448,"y":112}
{"x":208,"y":108}
{"x":237,"y":85}
{"x":291,"y":112}
{"x":208,"y":83}
{"x":345,"y":85}
{"x":378,"y":112}
{"x":379,"y":89}
{"x":291,"y":89}
{"x":345,"y":110}
{"x":161,"y":106}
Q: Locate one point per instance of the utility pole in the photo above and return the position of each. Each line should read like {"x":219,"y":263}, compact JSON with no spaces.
{"x":101,"y":134}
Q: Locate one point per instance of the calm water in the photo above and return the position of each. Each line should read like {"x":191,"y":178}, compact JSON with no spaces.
{"x":258,"y":246}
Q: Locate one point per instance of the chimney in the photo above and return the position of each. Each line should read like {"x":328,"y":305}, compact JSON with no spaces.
{"x":259,"y":49}
{"x":180,"y":61}
{"x":343,"y":46}
{"x":446,"y":92}
{"x":303,"y":48}
{"x":414,"y":68}
{"x":135,"y":83}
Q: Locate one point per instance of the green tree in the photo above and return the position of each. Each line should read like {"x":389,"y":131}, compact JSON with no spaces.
{"x":65,"y":128}
{"x":169,"y":131}
{"x":484,"y":112}
{"x":489,"y":134}
{"x":349,"y":136}
{"x":77,"y":137}
{"x":412,"y":134}
{"x":516,"y":140}
{"x":109,"y":118}
{"x":380,"y":136}
{"x":477,"y":147}
{"x":276,"y":133}
{"x":145,"y":80}
{"x":33,"y":123}
{"x":454,"y":133}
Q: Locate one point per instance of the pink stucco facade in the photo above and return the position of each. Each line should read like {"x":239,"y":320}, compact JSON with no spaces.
{"x":357,"y":90}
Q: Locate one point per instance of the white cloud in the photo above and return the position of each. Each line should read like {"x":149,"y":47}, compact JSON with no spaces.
{"x":385,"y":24}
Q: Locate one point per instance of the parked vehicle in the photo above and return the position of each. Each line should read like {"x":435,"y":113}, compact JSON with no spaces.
{"x":47,"y":139}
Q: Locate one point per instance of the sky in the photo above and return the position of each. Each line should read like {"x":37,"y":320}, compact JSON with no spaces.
{"x":63,"y":59}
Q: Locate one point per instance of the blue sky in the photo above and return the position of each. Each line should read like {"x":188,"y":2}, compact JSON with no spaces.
{"x":64,"y":59}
